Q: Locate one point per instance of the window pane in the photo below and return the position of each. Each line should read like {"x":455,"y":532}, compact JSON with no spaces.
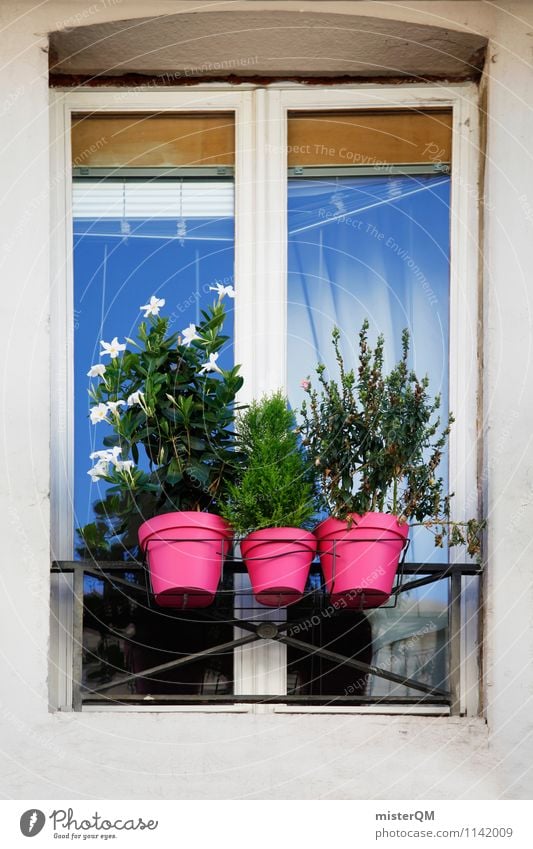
{"x":140,"y":141}
{"x":123,"y":634}
{"x":370,"y":137}
{"x":409,"y":639}
{"x":376,"y":248}
{"x":173,"y":239}
{"x":345,"y":633}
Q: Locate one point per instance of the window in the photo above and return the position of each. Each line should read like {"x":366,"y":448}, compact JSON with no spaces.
{"x":153,"y":213}
{"x":324,"y":206}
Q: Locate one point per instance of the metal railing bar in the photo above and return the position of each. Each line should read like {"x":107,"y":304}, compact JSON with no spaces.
{"x":104,"y":565}
{"x":455,"y":644}
{"x":77,"y":640}
{"x":363,"y":667}
{"x":174,"y":664}
{"x":114,"y":581}
{"x":421,"y":582}
{"x":441,"y":569}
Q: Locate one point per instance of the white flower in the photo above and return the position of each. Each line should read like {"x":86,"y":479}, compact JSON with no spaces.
{"x":189,"y":334}
{"x":114,"y":405}
{"x":99,"y":413}
{"x":223,"y":290}
{"x":112,"y":348}
{"x":153,"y":307}
{"x":96,"y":371}
{"x":135,"y":398}
{"x":98,"y":471}
{"x":124,"y":465}
{"x":112,"y":455}
{"x":108,"y":455}
{"x":211,"y":365}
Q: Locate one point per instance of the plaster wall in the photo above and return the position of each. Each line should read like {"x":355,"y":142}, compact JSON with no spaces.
{"x":262,"y":42}
{"x":127,"y":755}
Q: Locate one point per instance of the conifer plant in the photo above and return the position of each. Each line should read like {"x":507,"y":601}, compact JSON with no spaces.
{"x":275,"y":487}
{"x":272,"y":501}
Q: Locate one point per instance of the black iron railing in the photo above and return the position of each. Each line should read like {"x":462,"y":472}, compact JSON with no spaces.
{"x":413,"y":576}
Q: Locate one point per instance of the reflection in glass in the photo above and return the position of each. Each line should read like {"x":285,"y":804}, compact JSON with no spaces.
{"x":378,"y":248}
{"x":124,"y":634}
{"x":172,"y":239}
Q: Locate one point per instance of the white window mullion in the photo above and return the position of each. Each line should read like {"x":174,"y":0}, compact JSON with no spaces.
{"x":260,"y":666}
{"x":244,"y":243}
{"x":270,"y":240}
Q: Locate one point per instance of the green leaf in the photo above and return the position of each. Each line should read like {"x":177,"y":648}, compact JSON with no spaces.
{"x":197,"y":444}
{"x":110,"y":440}
{"x":199,"y":472}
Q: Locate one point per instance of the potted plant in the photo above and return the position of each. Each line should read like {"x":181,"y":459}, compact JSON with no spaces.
{"x":170,"y":454}
{"x":272,"y":502}
{"x":376,"y":441}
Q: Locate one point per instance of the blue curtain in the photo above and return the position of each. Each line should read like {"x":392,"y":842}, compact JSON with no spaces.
{"x":376,"y":248}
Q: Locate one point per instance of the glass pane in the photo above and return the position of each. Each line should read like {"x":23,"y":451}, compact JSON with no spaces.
{"x":123,"y":634}
{"x":345,"y":633}
{"x":411,"y":640}
{"x":376,"y":248}
{"x":371,"y":137}
{"x":104,"y":140}
{"x":132,"y":240}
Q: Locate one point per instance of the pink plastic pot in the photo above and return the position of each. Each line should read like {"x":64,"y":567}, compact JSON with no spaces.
{"x":360,"y":562}
{"x":278,"y":562}
{"x":185,"y":552}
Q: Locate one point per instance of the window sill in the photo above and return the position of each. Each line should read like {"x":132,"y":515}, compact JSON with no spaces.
{"x":368,"y":710}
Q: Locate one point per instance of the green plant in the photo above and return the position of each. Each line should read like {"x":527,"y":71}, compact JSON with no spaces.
{"x":377,"y":442}
{"x":171,"y":409}
{"x":275,"y":487}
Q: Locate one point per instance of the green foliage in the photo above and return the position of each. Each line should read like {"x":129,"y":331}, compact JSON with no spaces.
{"x":377,"y":442}
{"x":275,"y":487}
{"x":182,"y":423}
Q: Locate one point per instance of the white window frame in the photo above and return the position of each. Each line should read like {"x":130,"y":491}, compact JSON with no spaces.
{"x":260,"y":305}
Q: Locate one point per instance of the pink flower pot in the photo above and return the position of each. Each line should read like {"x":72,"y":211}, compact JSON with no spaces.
{"x":278,"y":562}
{"x":185,"y":552}
{"x":360,"y":562}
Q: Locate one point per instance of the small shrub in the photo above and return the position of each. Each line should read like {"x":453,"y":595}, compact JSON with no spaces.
{"x":275,"y":488}
{"x":377,"y":441}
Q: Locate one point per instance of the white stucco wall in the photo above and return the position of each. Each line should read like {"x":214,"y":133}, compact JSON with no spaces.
{"x":508,"y":402}
{"x":167,"y":755}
